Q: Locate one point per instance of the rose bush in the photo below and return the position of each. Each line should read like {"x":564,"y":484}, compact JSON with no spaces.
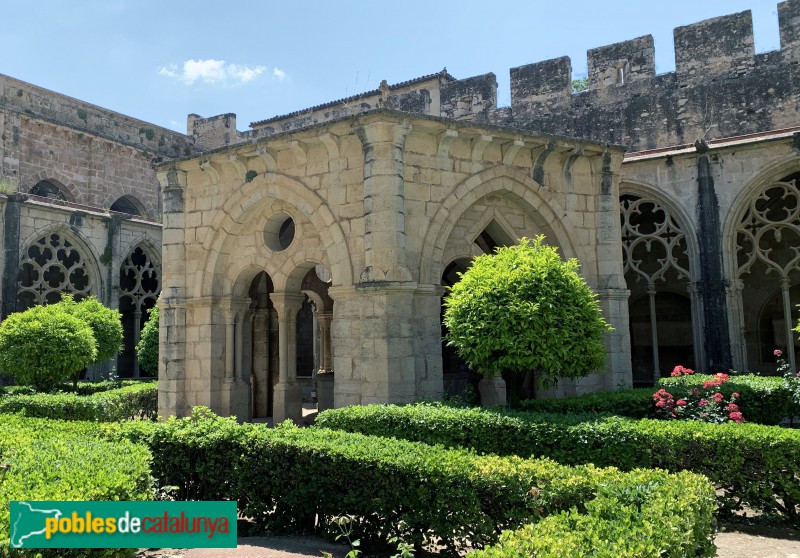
{"x":707,"y":404}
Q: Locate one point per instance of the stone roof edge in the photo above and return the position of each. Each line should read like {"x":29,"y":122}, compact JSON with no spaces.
{"x":604,"y":146}
{"x":443,"y":73}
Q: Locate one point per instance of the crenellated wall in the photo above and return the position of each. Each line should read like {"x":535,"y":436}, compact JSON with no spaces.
{"x":720,"y":87}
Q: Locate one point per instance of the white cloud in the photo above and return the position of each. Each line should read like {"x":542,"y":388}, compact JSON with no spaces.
{"x":278,"y":73}
{"x":212,"y":71}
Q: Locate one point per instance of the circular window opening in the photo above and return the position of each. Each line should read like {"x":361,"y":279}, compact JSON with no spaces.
{"x":279,"y":232}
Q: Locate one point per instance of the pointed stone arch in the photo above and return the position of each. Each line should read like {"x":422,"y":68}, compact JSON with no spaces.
{"x":516,"y":183}
{"x":54,"y":261}
{"x":139,"y":287}
{"x":762,"y":247}
{"x":660,"y":264}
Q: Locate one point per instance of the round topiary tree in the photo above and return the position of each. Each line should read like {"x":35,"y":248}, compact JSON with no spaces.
{"x":525,"y":309}
{"x":106,"y":324}
{"x":147,"y":348}
{"x":43,"y":346}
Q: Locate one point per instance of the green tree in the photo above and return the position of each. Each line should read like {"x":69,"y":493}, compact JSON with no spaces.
{"x":106,"y":324}
{"x":147,"y":348}
{"x":44,"y":345}
{"x":525,"y":309}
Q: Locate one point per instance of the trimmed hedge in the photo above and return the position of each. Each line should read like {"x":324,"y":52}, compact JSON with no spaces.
{"x":139,"y":400}
{"x":53,"y":460}
{"x":764,"y":399}
{"x":625,"y":522}
{"x":83,"y":388}
{"x":751,"y":465}
{"x":284,"y":478}
{"x":634,"y":403}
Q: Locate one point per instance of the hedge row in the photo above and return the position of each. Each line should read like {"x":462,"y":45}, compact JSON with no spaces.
{"x":139,"y":400}
{"x":83,"y":388}
{"x":634,"y":403}
{"x":763,"y":399}
{"x":286,"y":477}
{"x":54,"y":460}
{"x":751,"y":465}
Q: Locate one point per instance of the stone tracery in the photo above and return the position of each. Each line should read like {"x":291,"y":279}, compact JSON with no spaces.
{"x":50,"y":266}
{"x":656,"y":262}
{"x":768,"y":245}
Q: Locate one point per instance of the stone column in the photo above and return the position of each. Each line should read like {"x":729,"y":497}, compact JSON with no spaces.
{"x":11,"y":255}
{"x":288,"y":397}
{"x":324,"y":321}
{"x":713,"y":284}
{"x":137,"y":325}
{"x":172,"y":396}
{"x":325,"y":379}
{"x":611,"y":288}
{"x":235,"y":391}
{"x":384,"y":201}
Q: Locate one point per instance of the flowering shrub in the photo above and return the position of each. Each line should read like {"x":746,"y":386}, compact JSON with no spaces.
{"x":707,"y":404}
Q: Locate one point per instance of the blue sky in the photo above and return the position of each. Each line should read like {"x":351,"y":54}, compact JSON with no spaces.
{"x":160,"y":61}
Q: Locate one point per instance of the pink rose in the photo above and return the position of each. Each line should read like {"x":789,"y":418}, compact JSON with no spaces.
{"x":702,"y":403}
{"x":736,"y":417}
{"x":777,"y":352}
{"x":681,"y":403}
{"x":718,"y":397}
{"x":733,"y":407}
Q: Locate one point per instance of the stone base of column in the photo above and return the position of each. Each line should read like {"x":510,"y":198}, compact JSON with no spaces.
{"x":236,"y":399}
{"x":492,"y":390}
{"x":324,"y":391}
{"x":287,"y":403}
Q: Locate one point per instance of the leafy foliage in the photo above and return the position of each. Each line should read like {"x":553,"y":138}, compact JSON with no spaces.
{"x":45,"y":345}
{"x":750,"y":464}
{"x":106,"y":324}
{"x":123,"y":403}
{"x":286,"y":477}
{"x":524,"y":308}
{"x":147,"y":348}
{"x":53,"y":460}
{"x":634,"y":403}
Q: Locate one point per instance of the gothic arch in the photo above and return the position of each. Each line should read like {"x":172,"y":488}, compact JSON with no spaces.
{"x":762,"y":248}
{"x":660,"y":266}
{"x":56,"y":260}
{"x":251,"y":198}
{"x":500,"y":179}
{"x":139,"y":287}
{"x":70,"y":191}
{"x":129,"y":205}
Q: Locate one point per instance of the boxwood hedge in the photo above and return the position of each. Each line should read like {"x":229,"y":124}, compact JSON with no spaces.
{"x":634,"y":403}
{"x":751,"y":465}
{"x":139,"y":400}
{"x":763,"y":399}
{"x":54,"y":460}
{"x":286,"y":477}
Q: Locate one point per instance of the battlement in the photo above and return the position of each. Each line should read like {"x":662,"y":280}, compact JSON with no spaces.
{"x":720,"y":88}
{"x":25,"y":98}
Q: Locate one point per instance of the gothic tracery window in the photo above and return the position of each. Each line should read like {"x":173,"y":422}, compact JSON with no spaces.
{"x":768,"y":271}
{"x":50,"y":266}
{"x":657,"y":271}
{"x":140,"y":284}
